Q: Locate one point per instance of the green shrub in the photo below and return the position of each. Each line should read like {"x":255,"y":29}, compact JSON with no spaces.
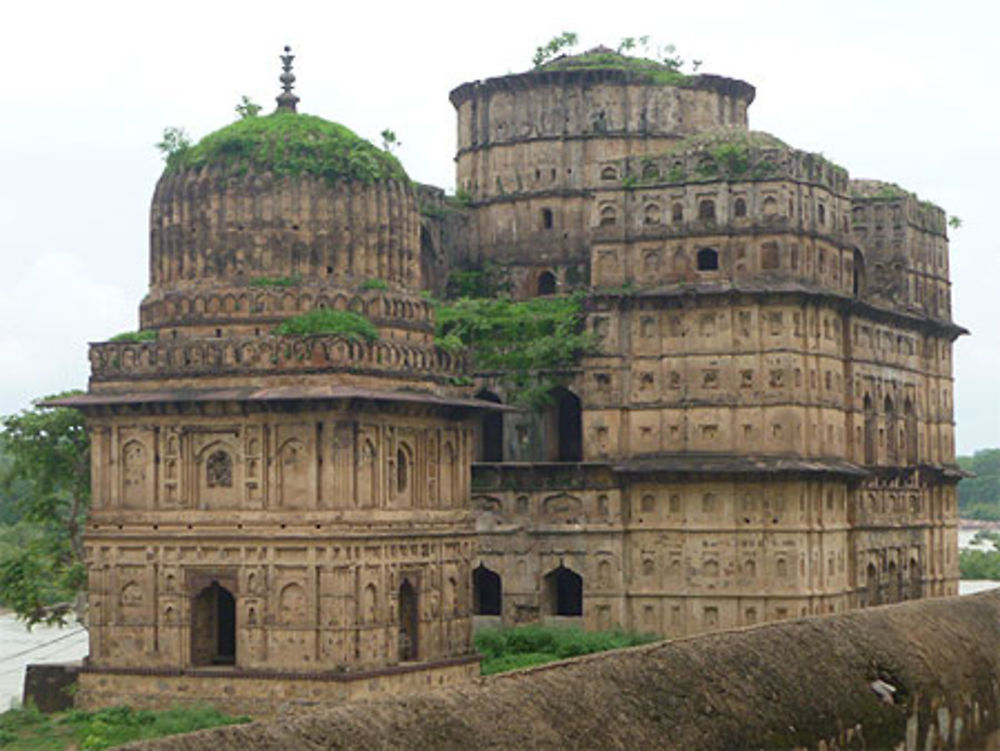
{"x":530,"y":342}
{"x":146,"y":335}
{"x":343,"y":323}
{"x":368,"y":284}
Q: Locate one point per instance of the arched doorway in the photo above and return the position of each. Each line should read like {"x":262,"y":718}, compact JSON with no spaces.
{"x":487,"y":592}
{"x":565,"y":424}
{"x":408,"y":622}
{"x":213,"y":626}
{"x":546,"y":283}
{"x":490,"y":431}
{"x":564,"y":591}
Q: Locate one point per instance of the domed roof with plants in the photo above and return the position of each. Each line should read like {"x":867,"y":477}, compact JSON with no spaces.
{"x":289,"y":143}
{"x":284,"y":143}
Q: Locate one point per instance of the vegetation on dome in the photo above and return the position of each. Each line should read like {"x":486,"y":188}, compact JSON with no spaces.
{"x":530,"y":343}
{"x":324,"y":321}
{"x":146,"y":335}
{"x":287,"y":144}
{"x":725,"y":152}
{"x":643,"y":68}
{"x":653,"y":63}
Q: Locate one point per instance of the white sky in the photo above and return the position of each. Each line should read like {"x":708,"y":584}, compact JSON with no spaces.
{"x":903,"y":90}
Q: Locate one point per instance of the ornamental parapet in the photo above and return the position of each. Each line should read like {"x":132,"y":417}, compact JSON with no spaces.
{"x":267,"y":355}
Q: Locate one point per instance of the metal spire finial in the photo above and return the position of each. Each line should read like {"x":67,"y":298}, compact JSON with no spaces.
{"x":286,"y":99}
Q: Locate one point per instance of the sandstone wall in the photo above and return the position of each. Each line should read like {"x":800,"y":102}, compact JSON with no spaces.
{"x":803,"y":685}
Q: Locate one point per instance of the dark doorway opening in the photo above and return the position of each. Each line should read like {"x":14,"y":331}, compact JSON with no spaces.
{"x":565,"y":592}
{"x":213,"y":627}
{"x":546,"y":283}
{"x":708,"y":259}
{"x":568,"y":426}
{"x":408,"y":622}
{"x":487,"y":592}
{"x":490,"y":431}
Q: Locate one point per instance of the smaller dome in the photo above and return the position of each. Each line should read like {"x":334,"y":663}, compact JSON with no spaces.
{"x":289,"y":144}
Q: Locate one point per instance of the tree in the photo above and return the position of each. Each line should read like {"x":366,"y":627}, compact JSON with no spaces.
{"x":247,"y":108}
{"x":389,"y":140}
{"x":174,"y":143}
{"x":557,"y":44}
{"x":48,"y":449}
{"x":979,"y":496}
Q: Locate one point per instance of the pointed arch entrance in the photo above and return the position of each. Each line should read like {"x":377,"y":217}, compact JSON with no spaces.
{"x":564,"y":592}
{"x":487,"y":592}
{"x":213,"y":626}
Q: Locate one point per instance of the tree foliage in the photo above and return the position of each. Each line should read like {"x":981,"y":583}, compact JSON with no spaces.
{"x":247,"y":108}
{"x":979,"y":496}
{"x":553,"y":47}
{"x":48,"y":451}
{"x":174,"y":145}
{"x":532,"y":343}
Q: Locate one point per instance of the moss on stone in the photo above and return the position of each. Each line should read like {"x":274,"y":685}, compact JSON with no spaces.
{"x":291,"y":144}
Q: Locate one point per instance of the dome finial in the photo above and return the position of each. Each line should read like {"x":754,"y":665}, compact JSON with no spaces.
{"x":286,"y":99}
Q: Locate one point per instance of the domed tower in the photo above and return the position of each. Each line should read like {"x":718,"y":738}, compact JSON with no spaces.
{"x":280,"y":461}
{"x":532,"y":148}
{"x":765,"y":430}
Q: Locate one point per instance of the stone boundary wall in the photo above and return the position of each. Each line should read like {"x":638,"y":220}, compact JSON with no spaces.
{"x":803,"y":684}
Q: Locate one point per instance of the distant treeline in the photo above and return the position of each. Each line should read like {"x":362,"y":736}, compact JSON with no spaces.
{"x":979,"y":496}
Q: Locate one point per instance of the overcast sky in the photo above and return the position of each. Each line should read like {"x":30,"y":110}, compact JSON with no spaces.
{"x":902,"y":91}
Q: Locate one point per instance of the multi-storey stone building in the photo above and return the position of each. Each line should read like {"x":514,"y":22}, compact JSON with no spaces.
{"x":277,"y":517}
{"x":764,"y":430}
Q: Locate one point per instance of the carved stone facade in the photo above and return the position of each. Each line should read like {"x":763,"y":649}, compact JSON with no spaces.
{"x":278,"y":518}
{"x":766,"y":431}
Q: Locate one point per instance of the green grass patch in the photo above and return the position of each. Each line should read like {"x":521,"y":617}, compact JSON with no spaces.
{"x":345,"y":323}
{"x":524,"y":646}
{"x":290,"y":144}
{"x":27,"y":729}
{"x":147,"y":335}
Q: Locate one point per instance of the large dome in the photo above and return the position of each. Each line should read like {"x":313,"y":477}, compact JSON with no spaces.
{"x":290,"y":144}
{"x":271,"y":216}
